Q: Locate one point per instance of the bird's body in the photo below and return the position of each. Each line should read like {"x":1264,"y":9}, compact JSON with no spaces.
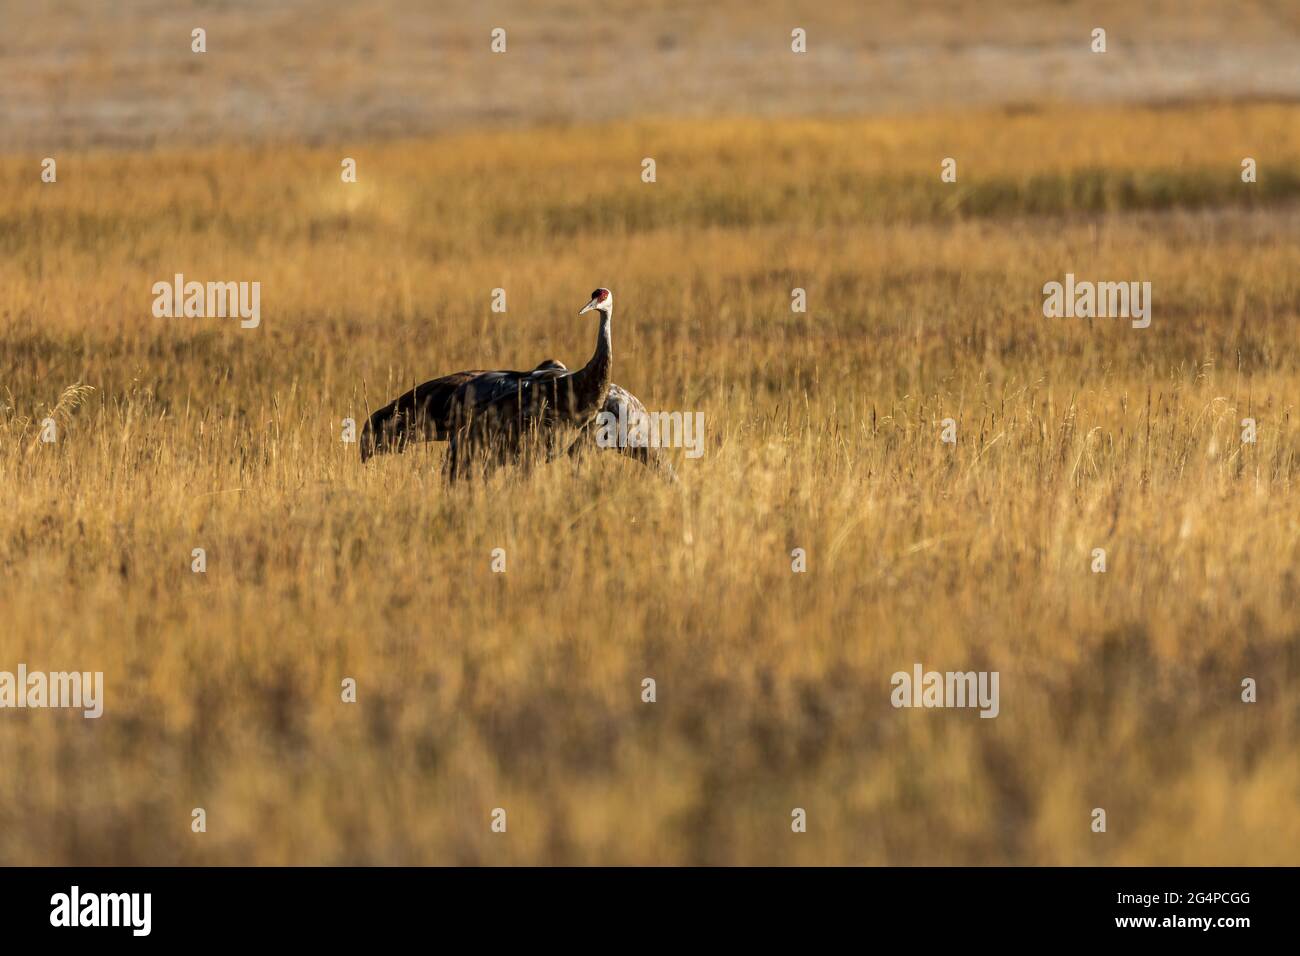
{"x":499,"y":416}
{"x":425,"y":413}
{"x":626,"y":407}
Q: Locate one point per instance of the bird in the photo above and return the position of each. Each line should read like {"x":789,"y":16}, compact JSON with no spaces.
{"x":424,"y":413}
{"x":623,"y":406}
{"x":494,"y":426}
{"x":437,"y":409}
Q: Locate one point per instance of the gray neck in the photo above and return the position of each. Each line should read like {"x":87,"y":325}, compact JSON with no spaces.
{"x":591,"y":382}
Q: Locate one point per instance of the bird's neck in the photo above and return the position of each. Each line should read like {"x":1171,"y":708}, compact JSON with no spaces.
{"x":591,"y":382}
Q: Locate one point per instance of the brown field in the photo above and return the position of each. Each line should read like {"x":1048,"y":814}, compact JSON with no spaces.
{"x":88,"y":73}
{"x":522,"y":690}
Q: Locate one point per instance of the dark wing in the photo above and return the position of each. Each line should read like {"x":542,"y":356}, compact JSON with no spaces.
{"x":425,"y":412}
{"x":491,"y":426}
{"x":501,"y":409}
{"x":626,"y":407}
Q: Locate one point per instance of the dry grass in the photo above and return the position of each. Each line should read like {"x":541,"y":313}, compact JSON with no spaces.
{"x":522,"y":690}
{"x":77,"y":73}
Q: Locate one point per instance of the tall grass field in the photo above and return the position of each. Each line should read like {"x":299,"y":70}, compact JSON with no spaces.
{"x":523,"y":689}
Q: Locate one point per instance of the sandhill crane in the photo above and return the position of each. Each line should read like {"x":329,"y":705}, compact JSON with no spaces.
{"x":425,"y":412}
{"x":507,"y":404}
{"x":626,"y":407}
{"x":495,"y":427}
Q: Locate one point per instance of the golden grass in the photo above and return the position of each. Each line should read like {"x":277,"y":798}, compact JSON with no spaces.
{"x":522,"y":690}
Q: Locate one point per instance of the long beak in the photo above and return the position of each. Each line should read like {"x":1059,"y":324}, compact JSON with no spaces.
{"x":588,"y":307}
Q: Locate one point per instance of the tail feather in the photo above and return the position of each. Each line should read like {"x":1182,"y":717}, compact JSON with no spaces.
{"x":421,"y":414}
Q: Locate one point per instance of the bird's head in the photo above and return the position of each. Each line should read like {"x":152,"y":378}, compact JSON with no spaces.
{"x":601,"y":299}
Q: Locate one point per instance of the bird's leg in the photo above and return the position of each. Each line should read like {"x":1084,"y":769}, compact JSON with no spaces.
{"x":582,"y":441}
{"x":459,"y":457}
